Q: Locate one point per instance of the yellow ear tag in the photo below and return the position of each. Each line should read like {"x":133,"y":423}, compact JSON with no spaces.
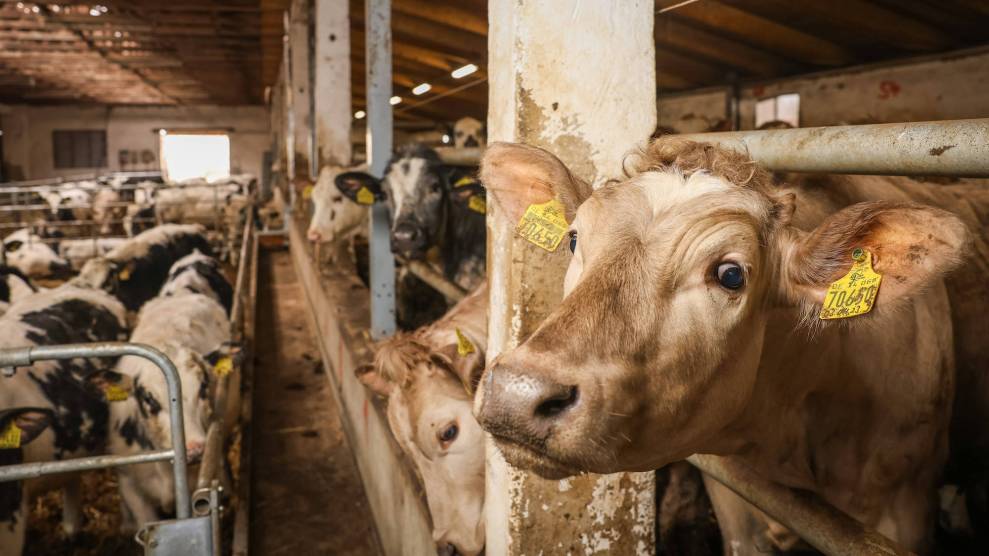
{"x":364,"y":196}
{"x":466,"y":180}
{"x":307,"y":192}
{"x":124,"y":274}
{"x":464,"y":345}
{"x":544,"y":224}
{"x":10,"y":437}
{"x":115,"y":393}
{"x":477,"y":203}
{"x":854,"y":293}
{"x":224,"y":366}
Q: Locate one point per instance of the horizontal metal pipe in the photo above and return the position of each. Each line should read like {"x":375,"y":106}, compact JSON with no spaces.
{"x":33,"y":470}
{"x":944,"y":148}
{"x":818,"y":523}
{"x":460,"y":157}
{"x":434,"y":279}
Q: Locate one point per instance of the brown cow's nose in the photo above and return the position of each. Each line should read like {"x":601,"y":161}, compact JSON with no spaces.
{"x":523,"y":407}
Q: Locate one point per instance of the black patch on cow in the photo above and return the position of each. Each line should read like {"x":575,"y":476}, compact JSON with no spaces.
{"x":210,"y":271}
{"x":204,"y":383}
{"x":64,"y":382}
{"x":133,"y":433}
{"x":10,"y":491}
{"x":147,"y":274}
{"x":147,"y":403}
{"x":7,"y":274}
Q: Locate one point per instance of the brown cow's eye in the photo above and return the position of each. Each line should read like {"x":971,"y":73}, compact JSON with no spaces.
{"x":730,"y":275}
{"x":449,"y":434}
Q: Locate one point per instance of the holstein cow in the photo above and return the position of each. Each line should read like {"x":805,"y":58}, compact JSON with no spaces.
{"x":79,"y":413}
{"x":690,"y":324}
{"x":136,"y":270}
{"x":428,"y":377}
{"x":469,"y":132}
{"x":19,"y":426}
{"x":32,"y":255}
{"x":433,"y":205}
{"x":186,"y":328}
{"x":68,"y":202}
{"x":14,"y":286}
{"x":78,"y":251}
{"x":109,"y":210}
{"x":199,"y":273}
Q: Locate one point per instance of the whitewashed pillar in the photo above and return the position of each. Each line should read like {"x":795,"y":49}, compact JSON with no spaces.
{"x":300,"y":52}
{"x":576,"y":77}
{"x":332,"y":83}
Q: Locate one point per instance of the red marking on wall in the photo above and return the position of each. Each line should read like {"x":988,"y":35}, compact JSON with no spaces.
{"x":888,"y":89}
{"x":365,"y":416}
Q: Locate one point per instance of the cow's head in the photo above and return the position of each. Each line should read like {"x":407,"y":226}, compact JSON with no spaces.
{"x":469,"y":132}
{"x":655,"y":348}
{"x":32,"y":255}
{"x":429,"y":412}
{"x":416,"y":184}
{"x":340,"y":201}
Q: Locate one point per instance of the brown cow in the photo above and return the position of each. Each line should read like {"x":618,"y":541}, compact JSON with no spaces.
{"x":428,"y":377}
{"x":689,"y":325}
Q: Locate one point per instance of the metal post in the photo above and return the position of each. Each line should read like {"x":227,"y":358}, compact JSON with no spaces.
{"x":945,"y":148}
{"x":23,"y":357}
{"x":377,"y":16}
{"x":585,"y":90}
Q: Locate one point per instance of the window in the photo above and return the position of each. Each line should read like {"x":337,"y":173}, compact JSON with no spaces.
{"x":79,"y":148}
{"x":185,"y":155}
{"x":779,"y":109}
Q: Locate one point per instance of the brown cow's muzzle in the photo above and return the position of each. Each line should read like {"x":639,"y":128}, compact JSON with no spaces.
{"x":523,"y":412}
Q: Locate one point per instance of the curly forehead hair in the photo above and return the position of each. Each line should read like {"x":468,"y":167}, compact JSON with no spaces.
{"x":669,"y":152}
{"x":397,"y":355}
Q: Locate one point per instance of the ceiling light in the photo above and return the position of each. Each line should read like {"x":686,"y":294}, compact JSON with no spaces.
{"x":35,"y":9}
{"x":117,"y":34}
{"x":20,"y":5}
{"x":422,"y":89}
{"x":359,"y":115}
{"x":163,"y":132}
{"x":463,"y":71}
{"x":56,"y":8}
{"x":446,"y":139}
{"x":395,"y":100}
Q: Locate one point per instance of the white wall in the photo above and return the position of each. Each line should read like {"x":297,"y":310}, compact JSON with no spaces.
{"x":937,"y":88}
{"x":27,"y":134}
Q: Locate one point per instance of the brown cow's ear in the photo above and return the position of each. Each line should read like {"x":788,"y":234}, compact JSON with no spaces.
{"x":912,"y":247}
{"x":373,"y":381}
{"x":517,"y":176}
{"x":468,"y":367}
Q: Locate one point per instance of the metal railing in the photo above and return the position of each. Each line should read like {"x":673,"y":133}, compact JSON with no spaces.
{"x":26,"y":356}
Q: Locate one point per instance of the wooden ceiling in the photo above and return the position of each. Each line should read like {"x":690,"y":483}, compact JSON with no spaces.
{"x":228,"y":51}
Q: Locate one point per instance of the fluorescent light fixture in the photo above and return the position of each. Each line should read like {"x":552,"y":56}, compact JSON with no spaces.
{"x":359,"y":115}
{"x":163,"y":132}
{"x":422,"y":89}
{"x":446,"y":139}
{"x":463,"y":71}
{"x":395,"y":100}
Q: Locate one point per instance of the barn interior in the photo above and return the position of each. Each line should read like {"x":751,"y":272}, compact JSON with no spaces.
{"x":248,"y":109}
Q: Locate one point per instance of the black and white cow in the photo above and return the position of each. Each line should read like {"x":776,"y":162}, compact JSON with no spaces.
{"x":19,"y":426}
{"x":79,"y":423}
{"x":469,"y":132}
{"x":34,"y":255}
{"x":135,"y":271}
{"x":14,"y":286}
{"x":428,"y":211}
{"x":199,"y":273}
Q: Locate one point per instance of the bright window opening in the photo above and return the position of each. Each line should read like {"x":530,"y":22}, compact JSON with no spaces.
{"x":778,"y":110}
{"x":185,"y":156}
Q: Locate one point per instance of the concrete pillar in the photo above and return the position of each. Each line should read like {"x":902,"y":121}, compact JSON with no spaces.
{"x":576,"y":77}
{"x":332,"y":83}
{"x":288,"y":118}
{"x":300,"y":52}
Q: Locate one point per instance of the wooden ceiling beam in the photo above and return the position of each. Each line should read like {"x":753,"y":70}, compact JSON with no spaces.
{"x":675,"y":32}
{"x":454,"y":17}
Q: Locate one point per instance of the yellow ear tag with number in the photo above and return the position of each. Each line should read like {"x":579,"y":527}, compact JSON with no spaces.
{"x":854,"y":293}
{"x":477,"y":203}
{"x":307,"y":192}
{"x":466,"y":180}
{"x":364,"y":196}
{"x":224,"y":366}
{"x":115,"y":393}
{"x":544,"y":224}
{"x":464,"y":345}
{"x":10,"y":437}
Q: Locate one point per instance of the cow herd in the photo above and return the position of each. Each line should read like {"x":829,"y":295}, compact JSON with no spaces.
{"x":162,"y":288}
{"x":691,"y":323}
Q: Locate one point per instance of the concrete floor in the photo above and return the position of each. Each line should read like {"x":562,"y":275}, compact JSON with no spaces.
{"x":306,"y":494}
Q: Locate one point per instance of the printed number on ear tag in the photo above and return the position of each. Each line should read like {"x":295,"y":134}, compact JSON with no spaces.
{"x":364,"y":196}
{"x":307,"y":192}
{"x":224,"y":366}
{"x":854,"y":293}
{"x":115,"y":393}
{"x":464,"y":345}
{"x":477,"y":203}
{"x":10,"y":437}
{"x":544,"y":224}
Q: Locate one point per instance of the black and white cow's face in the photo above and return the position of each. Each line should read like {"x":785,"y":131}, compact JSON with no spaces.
{"x":29,"y":253}
{"x":468,"y":132}
{"x":415,"y":185}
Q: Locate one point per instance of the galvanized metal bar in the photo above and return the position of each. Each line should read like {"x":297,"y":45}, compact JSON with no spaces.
{"x":24,"y":471}
{"x":823,"y":526}
{"x":944,"y":148}
{"x":25,"y":356}
{"x":377,"y":18}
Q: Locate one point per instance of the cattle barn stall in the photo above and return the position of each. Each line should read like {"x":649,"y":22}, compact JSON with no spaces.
{"x":869,"y":86}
